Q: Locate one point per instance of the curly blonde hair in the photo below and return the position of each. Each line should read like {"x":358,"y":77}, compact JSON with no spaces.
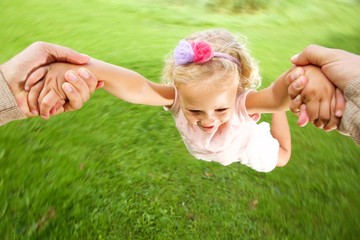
{"x":221,"y":41}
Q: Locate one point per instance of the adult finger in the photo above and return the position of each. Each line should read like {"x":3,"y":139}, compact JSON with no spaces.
{"x":47,"y":103}
{"x":75,"y":100}
{"x":339,"y":103}
{"x":313,"y":54}
{"x":59,"y":53}
{"x":89,"y":78}
{"x":297,"y":86}
{"x":324,"y":114}
{"x":57,"y":108}
{"x":303,"y":117}
{"x":295,"y":104}
{"x":79,"y":84}
{"x":294,"y":74}
{"x":35,"y":77}
{"x":333,"y":124}
{"x":33,"y":97}
{"x":312,"y":109}
{"x":334,"y":121}
{"x":60,"y":110}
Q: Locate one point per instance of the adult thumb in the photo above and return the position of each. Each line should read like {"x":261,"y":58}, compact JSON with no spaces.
{"x":65,"y":54}
{"x":77,"y":58}
{"x":312,"y":54}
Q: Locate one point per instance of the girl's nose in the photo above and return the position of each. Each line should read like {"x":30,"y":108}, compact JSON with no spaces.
{"x":207,"y":121}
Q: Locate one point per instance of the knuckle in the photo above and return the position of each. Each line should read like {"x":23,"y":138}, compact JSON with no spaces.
{"x":86,"y":97}
{"x":310,"y":48}
{"x":45,"y":103}
{"x":312,"y":117}
{"x":76,"y":105}
{"x":330,"y":127}
{"x":291,"y":91}
{"x":38,"y":44}
{"x":319,"y":124}
{"x":308,"y":96}
{"x":294,"y":108}
{"x":325,"y":118}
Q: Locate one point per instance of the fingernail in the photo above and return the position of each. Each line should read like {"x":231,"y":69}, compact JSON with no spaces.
{"x":298,"y":99}
{"x":294,"y":58}
{"x":35,"y":112}
{"x":299,"y":83}
{"x":27,"y":88}
{"x":84,"y":73}
{"x":72,"y":76}
{"x":295,"y":75}
{"x":338,"y":113}
{"x":67,"y":88}
{"x":87,"y":57}
{"x":301,"y":124}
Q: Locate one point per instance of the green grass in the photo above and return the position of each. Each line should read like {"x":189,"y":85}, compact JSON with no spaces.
{"x":120,"y":171}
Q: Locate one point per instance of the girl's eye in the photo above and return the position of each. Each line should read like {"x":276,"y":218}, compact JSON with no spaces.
{"x":221,"y":110}
{"x":195,"y":111}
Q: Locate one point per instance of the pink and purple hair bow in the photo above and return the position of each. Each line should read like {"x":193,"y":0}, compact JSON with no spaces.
{"x":197,"y":52}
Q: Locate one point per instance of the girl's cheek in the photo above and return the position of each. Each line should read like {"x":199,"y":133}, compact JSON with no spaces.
{"x":225,"y":118}
{"x":192,"y":119}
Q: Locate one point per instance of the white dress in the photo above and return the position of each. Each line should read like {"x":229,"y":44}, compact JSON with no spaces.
{"x":240,"y":140}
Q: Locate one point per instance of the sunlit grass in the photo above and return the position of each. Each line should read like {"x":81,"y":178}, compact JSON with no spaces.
{"x":120,"y":171}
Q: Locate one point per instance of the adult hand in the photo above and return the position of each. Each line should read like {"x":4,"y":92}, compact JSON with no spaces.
{"x":38,"y":54}
{"x":314,"y":98}
{"x":81,"y":91}
{"x":339,"y":66}
{"x":77,"y":90}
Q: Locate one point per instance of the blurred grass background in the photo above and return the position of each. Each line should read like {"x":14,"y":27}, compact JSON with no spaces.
{"x":120,"y":171}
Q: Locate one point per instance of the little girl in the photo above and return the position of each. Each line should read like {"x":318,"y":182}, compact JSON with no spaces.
{"x":216,"y":107}
{"x":210,"y":92}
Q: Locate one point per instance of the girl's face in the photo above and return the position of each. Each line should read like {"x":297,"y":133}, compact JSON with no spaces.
{"x":208,"y":107}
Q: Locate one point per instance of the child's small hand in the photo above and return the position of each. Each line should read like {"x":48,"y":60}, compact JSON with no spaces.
{"x":78,"y":88}
{"x":46,"y":104}
{"x":300,"y":108}
{"x":314,"y":98}
{"x":53,"y":95}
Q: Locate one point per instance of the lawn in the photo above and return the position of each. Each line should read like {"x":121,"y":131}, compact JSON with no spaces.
{"x":119,"y":171}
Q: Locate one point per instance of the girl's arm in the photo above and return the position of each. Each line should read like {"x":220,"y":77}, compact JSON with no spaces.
{"x":280,"y":130}
{"x":271,"y":99}
{"x":120,"y":82}
{"x":131,"y":86}
{"x":317,"y":94}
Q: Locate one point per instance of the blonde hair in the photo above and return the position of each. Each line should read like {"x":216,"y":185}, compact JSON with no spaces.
{"x":221,"y":41}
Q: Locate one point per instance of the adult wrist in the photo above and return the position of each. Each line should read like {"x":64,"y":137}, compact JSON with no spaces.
{"x":352,"y":88}
{"x":9,"y":109}
{"x":350,"y":122}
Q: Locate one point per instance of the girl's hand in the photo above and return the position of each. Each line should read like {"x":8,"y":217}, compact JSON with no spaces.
{"x":58,"y":91}
{"x":315,"y":100}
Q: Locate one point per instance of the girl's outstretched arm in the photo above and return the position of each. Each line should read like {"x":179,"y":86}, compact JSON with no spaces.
{"x":317,"y":94}
{"x":120,"y":82}
{"x":280,"y":130}
{"x":131,"y":86}
{"x":274,"y":98}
